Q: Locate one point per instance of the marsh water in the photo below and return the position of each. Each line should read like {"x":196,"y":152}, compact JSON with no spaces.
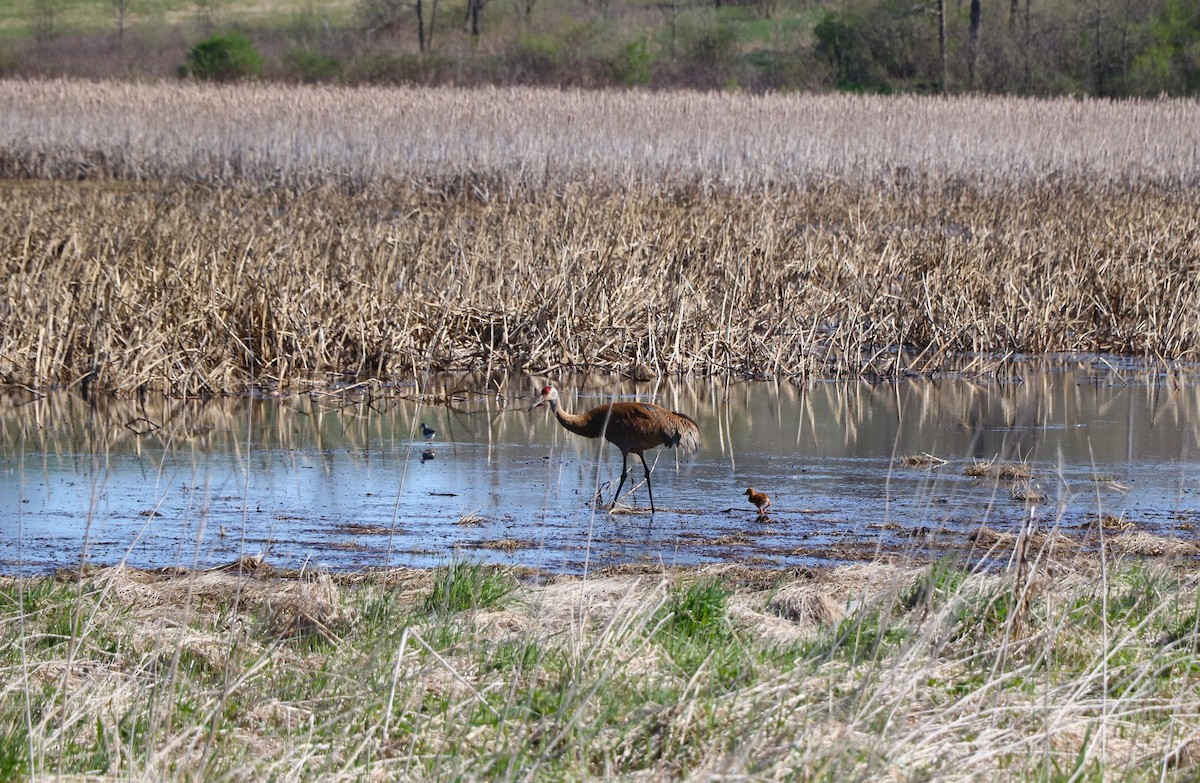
{"x":344,"y":479}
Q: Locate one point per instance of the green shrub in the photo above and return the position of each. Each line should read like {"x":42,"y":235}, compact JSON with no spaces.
{"x":1171,"y":61}
{"x":223,"y":57}
{"x":632,"y":65}
{"x":711,"y":44}
{"x":538,"y":53}
{"x":879,"y":48}
{"x":309,"y":66}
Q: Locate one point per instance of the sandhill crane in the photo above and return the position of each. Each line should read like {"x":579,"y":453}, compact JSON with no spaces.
{"x":631,"y":427}
{"x":760,"y":500}
{"x":428,"y":432}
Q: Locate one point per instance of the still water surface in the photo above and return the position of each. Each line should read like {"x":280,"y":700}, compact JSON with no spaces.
{"x":343,"y":482}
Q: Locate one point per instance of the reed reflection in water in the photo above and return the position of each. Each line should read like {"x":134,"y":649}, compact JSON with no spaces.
{"x":345,"y":480}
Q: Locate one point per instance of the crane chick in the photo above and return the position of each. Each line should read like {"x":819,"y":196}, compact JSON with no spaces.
{"x":631,"y":427}
{"x":760,"y":500}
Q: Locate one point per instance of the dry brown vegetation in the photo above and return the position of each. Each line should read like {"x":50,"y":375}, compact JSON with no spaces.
{"x":922,"y":460}
{"x":498,"y":140}
{"x":194,"y":290}
{"x":1007,"y":471}
{"x":271,"y":236}
{"x":1057,"y":668}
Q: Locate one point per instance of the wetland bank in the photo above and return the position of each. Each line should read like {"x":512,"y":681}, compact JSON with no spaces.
{"x":862,"y":260}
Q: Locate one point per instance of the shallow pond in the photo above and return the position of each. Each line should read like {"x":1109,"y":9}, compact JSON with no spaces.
{"x":345,"y":480}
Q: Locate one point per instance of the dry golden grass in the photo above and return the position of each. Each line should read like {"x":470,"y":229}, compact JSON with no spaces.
{"x":276,"y":236}
{"x":198,"y":290}
{"x":492,"y":140}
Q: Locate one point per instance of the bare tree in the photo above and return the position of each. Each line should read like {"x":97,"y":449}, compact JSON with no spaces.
{"x":670,"y":10}
{"x":474,"y":8}
{"x":425,"y":31}
{"x":973,"y":39}
{"x":206,"y":14}
{"x":45,"y":20}
{"x":121,"y":8}
{"x":381,"y":17}
{"x":524,"y":10}
{"x":601,"y":7}
{"x":420,"y":9}
{"x":941,"y":14}
{"x":390,"y":17}
{"x":433,"y":4}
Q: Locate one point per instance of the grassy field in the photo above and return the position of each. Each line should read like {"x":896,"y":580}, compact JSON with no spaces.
{"x":203,"y":240}
{"x":1054,"y":669}
{"x":151,"y":18}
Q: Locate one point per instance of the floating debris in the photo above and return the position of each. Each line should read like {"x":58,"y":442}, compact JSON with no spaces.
{"x":1006,"y":471}
{"x":922,"y":460}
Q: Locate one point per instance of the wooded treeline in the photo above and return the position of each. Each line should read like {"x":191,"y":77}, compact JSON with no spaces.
{"x":1109,"y":48}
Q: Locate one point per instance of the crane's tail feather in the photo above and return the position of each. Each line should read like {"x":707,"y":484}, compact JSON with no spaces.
{"x":686,"y":435}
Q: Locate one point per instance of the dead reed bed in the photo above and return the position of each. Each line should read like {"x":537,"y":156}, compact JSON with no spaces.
{"x":494,"y":140}
{"x":1056,"y":668}
{"x":191,"y":289}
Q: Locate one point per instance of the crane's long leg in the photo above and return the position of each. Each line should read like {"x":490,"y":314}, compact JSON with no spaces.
{"x":621,"y":483}
{"x":648,"y":487}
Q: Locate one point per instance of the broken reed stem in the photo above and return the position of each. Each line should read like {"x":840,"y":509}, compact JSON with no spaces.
{"x":189,"y":290}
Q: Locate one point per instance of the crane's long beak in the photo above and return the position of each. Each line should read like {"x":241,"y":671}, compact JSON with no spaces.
{"x":540,"y":400}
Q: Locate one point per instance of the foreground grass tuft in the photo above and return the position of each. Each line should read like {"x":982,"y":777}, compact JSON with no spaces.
{"x":468,"y":584}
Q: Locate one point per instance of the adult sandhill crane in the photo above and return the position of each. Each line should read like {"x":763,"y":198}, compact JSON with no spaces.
{"x":760,"y":500}
{"x":631,"y":427}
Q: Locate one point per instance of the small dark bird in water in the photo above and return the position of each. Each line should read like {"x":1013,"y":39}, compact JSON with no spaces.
{"x":631,"y":427}
{"x":760,"y":500}
{"x":428,"y":432}
{"x":427,"y":455}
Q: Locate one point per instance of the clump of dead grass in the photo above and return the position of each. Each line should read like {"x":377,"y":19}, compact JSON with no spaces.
{"x":1113,"y":522}
{"x":1004,"y":471}
{"x":1026,"y":491}
{"x":922,"y":460}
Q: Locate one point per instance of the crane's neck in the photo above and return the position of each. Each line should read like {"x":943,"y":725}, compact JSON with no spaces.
{"x":587,"y":426}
